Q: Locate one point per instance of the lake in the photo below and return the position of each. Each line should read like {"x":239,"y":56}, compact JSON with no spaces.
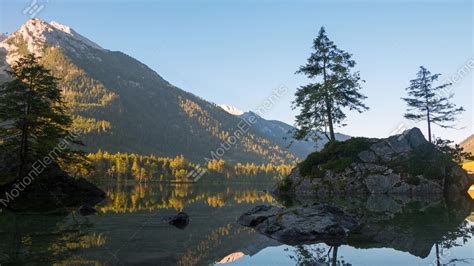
{"x":129,"y":230}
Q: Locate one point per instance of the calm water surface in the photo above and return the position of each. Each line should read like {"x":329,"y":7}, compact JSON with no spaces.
{"x":129,"y":230}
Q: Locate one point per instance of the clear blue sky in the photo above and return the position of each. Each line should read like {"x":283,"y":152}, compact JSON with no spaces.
{"x":237,"y":52}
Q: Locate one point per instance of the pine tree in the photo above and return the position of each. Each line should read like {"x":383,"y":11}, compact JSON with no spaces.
{"x":33,"y":115}
{"x":143,"y":173}
{"x":456,"y":152}
{"x":136,"y":169}
{"x":427,"y":102}
{"x":321,"y":103}
{"x":154,"y":170}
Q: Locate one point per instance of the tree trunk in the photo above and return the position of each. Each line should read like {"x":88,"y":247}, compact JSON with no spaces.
{"x":429,"y":124}
{"x":334,"y":256}
{"x":428,"y":114}
{"x":24,"y":142}
{"x":25,"y":130}
{"x":330,"y":121}
{"x":332,"y":136}
{"x":438,"y":262}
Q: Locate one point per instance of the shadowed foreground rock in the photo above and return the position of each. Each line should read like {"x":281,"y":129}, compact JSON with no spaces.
{"x":301,"y":225}
{"x":86,"y":210}
{"x":53,"y":190}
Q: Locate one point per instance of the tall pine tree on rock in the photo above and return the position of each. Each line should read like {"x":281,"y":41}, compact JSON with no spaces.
{"x":335,"y":87}
{"x":430,"y":103}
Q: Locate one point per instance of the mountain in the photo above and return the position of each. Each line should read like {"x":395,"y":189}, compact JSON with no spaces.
{"x":279,"y":132}
{"x":124,"y":106}
{"x":468,"y":144}
{"x":231,"y":109}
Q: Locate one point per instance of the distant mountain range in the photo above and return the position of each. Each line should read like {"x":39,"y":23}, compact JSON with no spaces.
{"x":280,"y":133}
{"x":124,"y":106}
{"x":468,"y":144}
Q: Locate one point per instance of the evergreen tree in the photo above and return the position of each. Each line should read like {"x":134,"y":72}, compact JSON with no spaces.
{"x":455,"y":152}
{"x":136,"y":169}
{"x":427,"y":102}
{"x":154,"y":170}
{"x":321,"y":103}
{"x":33,"y":115}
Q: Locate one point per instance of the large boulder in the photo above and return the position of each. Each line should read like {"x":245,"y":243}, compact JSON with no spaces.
{"x":382,"y":166}
{"x":301,"y":225}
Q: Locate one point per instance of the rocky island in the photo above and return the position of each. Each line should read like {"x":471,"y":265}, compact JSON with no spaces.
{"x":385,"y":176}
{"x":401,"y":164}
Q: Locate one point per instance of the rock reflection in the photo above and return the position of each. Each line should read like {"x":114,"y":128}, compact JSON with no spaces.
{"x":411,"y":224}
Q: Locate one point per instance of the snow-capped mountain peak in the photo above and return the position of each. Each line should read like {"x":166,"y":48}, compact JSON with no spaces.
{"x":231,"y":109}
{"x":35,"y":33}
{"x":74,"y":34}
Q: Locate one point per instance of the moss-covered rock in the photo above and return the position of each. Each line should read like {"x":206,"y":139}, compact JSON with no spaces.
{"x":400,"y":164}
{"x":335,"y":156}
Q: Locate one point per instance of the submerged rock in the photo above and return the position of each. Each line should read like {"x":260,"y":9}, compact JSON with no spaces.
{"x":180,"y":220}
{"x":401,"y":164}
{"x":301,"y":225}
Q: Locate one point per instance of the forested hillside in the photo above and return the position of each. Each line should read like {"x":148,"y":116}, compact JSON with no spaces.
{"x":124,"y":106}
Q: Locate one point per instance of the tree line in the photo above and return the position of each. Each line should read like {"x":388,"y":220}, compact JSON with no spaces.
{"x":125,"y":166}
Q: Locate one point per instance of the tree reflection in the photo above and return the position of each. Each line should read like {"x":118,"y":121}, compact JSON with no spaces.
{"x":455,"y":238}
{"x":45,"y":238}
{"x":145,"y":197}
{"x":315,"y":255}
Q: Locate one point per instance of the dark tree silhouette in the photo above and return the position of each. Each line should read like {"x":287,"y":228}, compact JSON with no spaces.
{"x":456,"y":152}
{"x":335,"y":87}
{"x":33,"y":115}
{"x":427,"y":102}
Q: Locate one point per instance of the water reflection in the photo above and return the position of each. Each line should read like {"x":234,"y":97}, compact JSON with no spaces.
{"x":129,"y":227}
{"x":129,"y":230}
{"x":125,"y":198}
{"x":416,"y":225}
{"x":317,"y":255}
{"x":38,"y":238}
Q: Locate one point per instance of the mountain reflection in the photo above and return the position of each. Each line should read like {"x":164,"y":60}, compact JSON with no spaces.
{"x":129,"y":230}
